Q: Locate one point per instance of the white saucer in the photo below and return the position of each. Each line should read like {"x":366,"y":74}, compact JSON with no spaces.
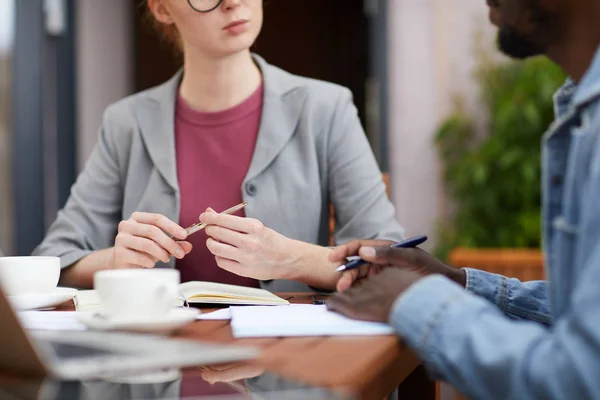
{"x":176,"y":318}
{"x":37,"y":301}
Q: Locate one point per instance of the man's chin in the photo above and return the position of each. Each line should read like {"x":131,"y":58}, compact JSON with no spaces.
{"x":517,"y":46}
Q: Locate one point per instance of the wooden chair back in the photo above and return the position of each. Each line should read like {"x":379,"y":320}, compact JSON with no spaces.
{"x":523,"y":264}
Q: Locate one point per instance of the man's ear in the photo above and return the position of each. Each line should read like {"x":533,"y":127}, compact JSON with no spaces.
{"x":161,"y":12}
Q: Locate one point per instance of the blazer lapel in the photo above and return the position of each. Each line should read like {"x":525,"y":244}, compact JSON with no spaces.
{"x":282,"y":105}
{"x":156,"y":118}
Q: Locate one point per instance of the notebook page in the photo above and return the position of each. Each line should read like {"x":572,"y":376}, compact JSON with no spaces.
{"x":224,"y":291}
{"x":299,"y":320}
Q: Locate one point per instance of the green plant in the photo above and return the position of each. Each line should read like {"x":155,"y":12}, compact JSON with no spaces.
{"x":494,"y":179}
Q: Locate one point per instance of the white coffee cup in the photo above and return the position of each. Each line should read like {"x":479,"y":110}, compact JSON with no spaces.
{"x":137,"y":294}
{"x":29,"y":275}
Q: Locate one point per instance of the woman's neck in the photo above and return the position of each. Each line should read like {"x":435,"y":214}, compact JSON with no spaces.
{"x":212,"y":85}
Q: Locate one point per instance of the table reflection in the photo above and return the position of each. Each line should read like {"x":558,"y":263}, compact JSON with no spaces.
{"x":220,"y":382}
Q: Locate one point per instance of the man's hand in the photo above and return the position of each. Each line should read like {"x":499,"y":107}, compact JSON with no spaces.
{"x":339,"y":254}
{"x":380,"y":255}
{"x":373,"y":298}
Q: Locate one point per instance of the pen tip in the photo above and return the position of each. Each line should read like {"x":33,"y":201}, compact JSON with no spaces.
{"x":341,"y":268}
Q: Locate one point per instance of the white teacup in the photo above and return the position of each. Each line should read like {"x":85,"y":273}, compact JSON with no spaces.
{"x":137,"y":294}
{"x":29,"y":275}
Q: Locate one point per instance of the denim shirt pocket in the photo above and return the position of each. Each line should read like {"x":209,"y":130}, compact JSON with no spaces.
{"x":561,"y":266}
{"x":565,"y":235}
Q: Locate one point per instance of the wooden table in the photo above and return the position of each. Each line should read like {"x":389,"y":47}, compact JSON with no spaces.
{"x":365,"y":367}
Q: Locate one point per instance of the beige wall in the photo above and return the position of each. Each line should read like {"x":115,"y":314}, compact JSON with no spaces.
{"x":104,"y":35}
{"x":431,"y":47}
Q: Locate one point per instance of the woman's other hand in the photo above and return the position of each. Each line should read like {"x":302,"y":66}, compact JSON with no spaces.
{"x":146,"y":238}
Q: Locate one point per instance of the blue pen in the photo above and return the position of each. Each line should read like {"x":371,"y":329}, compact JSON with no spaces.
{"x":412,"y":242}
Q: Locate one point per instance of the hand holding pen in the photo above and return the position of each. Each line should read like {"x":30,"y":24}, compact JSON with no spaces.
{"x":199,"y":226}
{"x":363,"y":258}
{"x":377,"y":255}
{"x":147,"y":238}
{"x":408,"y":243}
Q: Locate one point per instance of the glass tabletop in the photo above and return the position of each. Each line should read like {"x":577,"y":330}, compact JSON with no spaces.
{"x":234,"y":381}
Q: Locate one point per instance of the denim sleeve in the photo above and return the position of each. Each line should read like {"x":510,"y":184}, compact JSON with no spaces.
{"x":518,"y":300}
{"x":469,"y":342}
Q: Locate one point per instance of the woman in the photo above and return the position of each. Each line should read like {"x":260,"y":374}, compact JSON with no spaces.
{"x":228,"y":127}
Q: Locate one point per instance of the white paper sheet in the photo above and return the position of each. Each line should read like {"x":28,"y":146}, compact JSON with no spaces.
{"x":299,"y":320}
{"x":51,"y":320}
{"x":223,"y":314}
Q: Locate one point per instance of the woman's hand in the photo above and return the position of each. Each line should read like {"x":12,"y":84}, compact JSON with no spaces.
{"x":244,"y":246}
{"x":145,"y":238}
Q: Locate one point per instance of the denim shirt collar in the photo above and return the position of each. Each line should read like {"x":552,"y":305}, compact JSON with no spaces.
{"x":589,"y":87}
{"x":576,"y":95}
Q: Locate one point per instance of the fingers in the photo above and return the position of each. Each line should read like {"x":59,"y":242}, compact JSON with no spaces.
{"x":154,"y":233}
{"x":339,"y":253}
{"x":385,"y":255}
{"x":144,"y":239}
{"x":128,"y":258}
{"x":225,"y":235}
{"x":186,"y":246}
{"x":374,"y":298}
{"x":160,"y":221}
{"x":363,"y":302}
{"x":342,"y":304}
{"x":239,"y":224}
{"x":231,"y":266}
{"x":346,"y":280}
{"x":374,"y":270}
{"x":142,"y":245}
{"x":223,"y":250}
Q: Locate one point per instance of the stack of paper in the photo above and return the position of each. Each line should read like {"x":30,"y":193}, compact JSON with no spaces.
{"x":223,"y":314}
{"x":51,"y":320}
{"x":298,"y":320}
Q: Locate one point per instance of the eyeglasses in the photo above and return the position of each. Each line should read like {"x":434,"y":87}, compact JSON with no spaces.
{"x":204,"y":6}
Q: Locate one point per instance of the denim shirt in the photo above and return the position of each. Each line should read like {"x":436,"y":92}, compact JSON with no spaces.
{"x":503,"y":339}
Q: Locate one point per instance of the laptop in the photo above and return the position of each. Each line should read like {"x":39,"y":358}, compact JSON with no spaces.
{"x":78,"y":355}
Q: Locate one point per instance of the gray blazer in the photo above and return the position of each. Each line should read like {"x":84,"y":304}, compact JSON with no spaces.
{"x":311,"y":150}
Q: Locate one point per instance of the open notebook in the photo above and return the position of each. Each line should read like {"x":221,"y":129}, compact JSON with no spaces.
{"x":220,"y":293}
{"x":200,"y":293}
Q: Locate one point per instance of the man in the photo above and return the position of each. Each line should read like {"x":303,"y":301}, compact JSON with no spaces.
{"x":500,"y":338}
